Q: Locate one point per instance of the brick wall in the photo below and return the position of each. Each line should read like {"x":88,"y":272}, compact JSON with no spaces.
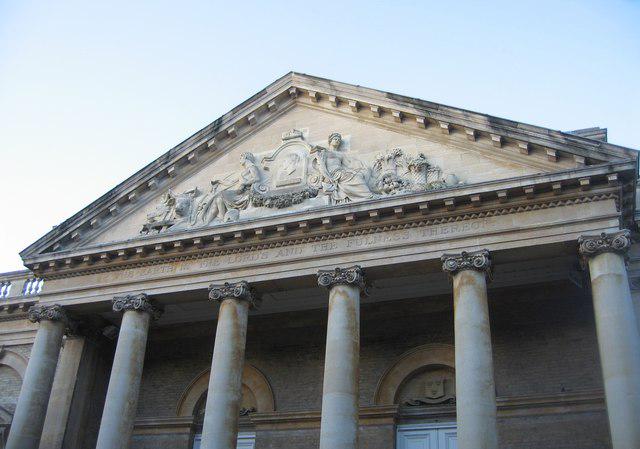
{"x":10,"y":380}
{"x":544,"y":343}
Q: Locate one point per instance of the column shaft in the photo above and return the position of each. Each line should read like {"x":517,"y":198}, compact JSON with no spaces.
{"x":121,"y":402}
{"x":64,"y":382}
{"x":339,"y":421}
{"x":31,"y":409}
{"x":222,"y":412}
{"x":619,"y":343}
{"x":475,"y":389}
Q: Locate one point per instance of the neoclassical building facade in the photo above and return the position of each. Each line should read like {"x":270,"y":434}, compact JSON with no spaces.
{"x":330,"y":266}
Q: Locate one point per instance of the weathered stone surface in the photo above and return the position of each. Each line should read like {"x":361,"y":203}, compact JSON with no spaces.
{"x":615,"y":242}
{"x":140,"y":303}
{"x":618,"y":334}
{"x":220,"y":427}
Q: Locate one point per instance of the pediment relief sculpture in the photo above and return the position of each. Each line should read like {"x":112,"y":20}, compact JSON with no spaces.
{"x":296,"y":175}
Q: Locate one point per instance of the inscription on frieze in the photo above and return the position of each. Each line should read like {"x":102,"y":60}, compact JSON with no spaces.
{"x":295,"y":252}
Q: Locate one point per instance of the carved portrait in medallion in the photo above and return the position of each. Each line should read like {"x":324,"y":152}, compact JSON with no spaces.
{"x":296,"y":174}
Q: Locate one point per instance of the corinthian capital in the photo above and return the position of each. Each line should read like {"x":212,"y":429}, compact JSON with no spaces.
{"x":140,"y":302}
{"x":238,"y":290}
{"x":346,"y":276}
{"x":615,"y":242}
{"x":53,"y":312}
{"x":474,"y":260}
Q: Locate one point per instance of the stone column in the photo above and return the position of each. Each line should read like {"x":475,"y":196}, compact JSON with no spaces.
{"x":475,"y":388}
{"x":65,"y":423}
{"x":339,"y":420}
{"x":618,"y":336}
{"x":222,"y":410}
{"x":121,"y":402}
{"x":31,"y":409}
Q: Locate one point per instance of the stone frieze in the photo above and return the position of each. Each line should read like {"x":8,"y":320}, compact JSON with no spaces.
{"x":296,"y":175}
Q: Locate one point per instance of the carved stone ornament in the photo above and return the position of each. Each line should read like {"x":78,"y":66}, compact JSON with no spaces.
{"x":475,"y":260}
{"x":347,"y":276}
{"x":53,"y":312}
{"x":238,"y":290}
{"x":140,"y":302}
{"x":616,"y":242}
{"x":299,"y":175}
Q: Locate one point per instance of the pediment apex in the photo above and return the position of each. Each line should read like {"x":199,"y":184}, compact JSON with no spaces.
{"x":512,"y":139}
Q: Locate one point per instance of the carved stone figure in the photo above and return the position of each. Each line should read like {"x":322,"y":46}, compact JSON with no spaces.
{"x":396,"y":172}
{"x":290,"y":172}
{"x":342,"y":181}
{"x":175,"y":211}
{"x":432,"y":385}
{"x":223,"y":203}
{"x":293,"y":174}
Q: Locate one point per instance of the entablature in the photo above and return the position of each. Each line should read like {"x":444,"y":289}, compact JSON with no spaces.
{"x":458,"y":204}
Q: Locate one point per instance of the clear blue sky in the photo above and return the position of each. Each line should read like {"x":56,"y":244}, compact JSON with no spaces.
{"x":92,"y":91}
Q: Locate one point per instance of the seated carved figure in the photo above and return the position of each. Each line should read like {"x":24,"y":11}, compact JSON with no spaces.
{"x":224,"y":203}
{"x":341,"y":182}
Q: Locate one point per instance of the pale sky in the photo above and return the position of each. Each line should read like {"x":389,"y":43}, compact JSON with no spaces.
{"x":90,"y":92}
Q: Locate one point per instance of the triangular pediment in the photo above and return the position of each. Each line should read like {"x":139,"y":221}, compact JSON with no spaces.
{"x":271,"y":157}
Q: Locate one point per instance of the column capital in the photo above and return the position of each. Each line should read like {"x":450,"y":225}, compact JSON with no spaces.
{"x":614,"y":242}
{"x":343,"y":276}
{"x":472,"y":260}
{"x":237,"y":290}
{"x":139,"y":302}
{"x":53,"y":312}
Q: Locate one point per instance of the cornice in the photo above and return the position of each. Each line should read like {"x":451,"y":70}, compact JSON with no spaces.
{"x":455,"y":116}
{"x":337,"y":230}
{"x":295,"y":88}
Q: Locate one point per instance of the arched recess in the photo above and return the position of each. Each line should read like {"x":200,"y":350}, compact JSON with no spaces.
{"x":13,"y":360}
{"x":408,"y":363}
{"x":252,"y":379}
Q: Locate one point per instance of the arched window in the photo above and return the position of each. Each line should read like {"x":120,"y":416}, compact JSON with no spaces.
{"x":257,"y":396}
{"x":423,"y":379}
{"x":246,"y":440}
{"x":12,"y":369}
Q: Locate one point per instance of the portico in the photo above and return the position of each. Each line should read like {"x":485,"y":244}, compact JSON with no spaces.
{"x":402,"y":273}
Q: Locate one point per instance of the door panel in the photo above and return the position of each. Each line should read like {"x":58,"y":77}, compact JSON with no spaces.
{"x":427,"y":436}
{"x":447,"y":439}
{"x":418,"y":440}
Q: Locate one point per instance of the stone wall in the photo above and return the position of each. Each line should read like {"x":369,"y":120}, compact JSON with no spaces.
{"x":544,"y":344}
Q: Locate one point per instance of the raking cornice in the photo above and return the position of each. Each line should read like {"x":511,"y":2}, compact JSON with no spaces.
{"x":294,"y":88}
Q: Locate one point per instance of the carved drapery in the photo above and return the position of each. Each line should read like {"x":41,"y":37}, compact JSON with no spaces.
{"x":474,"y":260}
{"x":238,"y":290}
{"x":615,"y":242}
{"x":140,"y":302}
{"x":296,"y":173}
{"x":347,"y":276}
